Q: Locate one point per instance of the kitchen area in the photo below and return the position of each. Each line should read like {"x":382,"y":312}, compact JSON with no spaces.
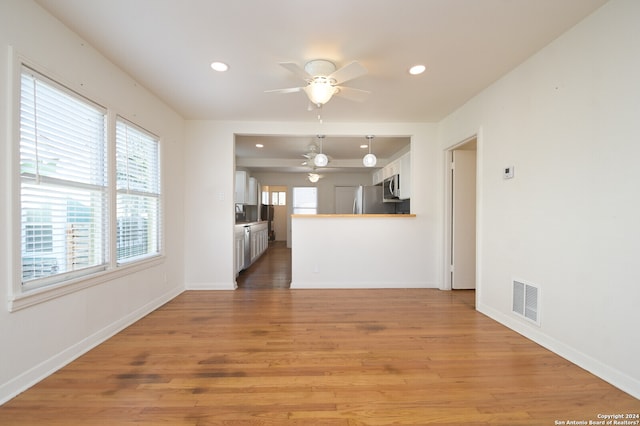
{"x":343,"y":193}
{"x":253,"y":222}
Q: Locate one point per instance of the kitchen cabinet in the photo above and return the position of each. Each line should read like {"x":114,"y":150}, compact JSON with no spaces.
{"x":242,"y":187}
{"x":378,"y":176}
{"x":405,"y":176}
{"x":259,"y":240}
{"x":400,"y":166}
{"x":252,"y":195}
{"x":251,"y":240}
{"x":239,"y":248}
{"x":391,"y":169}
{"x":246,"y":189}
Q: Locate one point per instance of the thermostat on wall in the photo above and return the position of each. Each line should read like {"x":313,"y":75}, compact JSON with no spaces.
{"x":508,"y":172}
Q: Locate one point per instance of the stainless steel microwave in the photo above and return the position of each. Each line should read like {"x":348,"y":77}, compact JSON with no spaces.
{"x":391,"y":189}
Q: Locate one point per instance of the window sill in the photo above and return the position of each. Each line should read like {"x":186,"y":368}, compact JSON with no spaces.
{"x":40,"y":295}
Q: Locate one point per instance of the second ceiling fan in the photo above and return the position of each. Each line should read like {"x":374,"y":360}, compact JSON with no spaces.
{"x":324,"y":80}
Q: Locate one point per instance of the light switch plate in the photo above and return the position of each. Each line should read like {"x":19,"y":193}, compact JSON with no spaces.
{"x":508,"y":172}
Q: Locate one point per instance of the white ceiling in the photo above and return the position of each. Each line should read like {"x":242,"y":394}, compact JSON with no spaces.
{"x":168,"y":45}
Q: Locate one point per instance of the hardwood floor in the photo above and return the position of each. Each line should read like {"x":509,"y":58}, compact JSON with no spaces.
{"x":272,"y":270}
{"x":274,"y":356}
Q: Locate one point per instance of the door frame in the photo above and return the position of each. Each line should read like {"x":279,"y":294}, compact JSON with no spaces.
{"x":448,"y":200}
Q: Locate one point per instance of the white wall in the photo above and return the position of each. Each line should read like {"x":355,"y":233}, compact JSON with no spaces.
{"x":361,"y":252}
{"x":209,"y":201}
{"x":568,"y":119}
{"x":39,"y":339}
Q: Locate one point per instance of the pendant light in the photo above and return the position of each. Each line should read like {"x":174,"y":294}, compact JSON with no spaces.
{"x":320,"y":160}
{"x":369,"y":160}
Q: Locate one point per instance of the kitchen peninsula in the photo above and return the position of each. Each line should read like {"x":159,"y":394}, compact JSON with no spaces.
{"x":356,"y":251}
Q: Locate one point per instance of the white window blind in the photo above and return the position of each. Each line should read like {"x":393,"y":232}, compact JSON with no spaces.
{"x":138,"y":193}
{"x":63,"y":175}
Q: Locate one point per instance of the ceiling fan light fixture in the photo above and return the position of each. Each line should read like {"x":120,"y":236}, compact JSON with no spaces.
{"x":313,"y":177}
{"x":320,"y":90}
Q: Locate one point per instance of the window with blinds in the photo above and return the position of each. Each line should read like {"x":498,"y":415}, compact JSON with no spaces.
{"x":138,"y":193}
{"x":75,"y":218}
{"x":63,"y":182}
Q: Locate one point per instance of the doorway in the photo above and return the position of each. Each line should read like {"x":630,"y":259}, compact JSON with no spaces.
{"x":461,"y":216}
{"x":275,"y":196}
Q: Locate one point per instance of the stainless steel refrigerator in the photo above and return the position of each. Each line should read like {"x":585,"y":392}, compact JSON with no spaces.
{"x":361,"y":200}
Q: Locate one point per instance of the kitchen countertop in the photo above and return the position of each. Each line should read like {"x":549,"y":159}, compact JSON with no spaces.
{"x":250,"y":223}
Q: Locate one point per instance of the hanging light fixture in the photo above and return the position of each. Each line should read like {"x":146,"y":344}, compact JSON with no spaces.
{"x":320,"y":160}
{"x":369,"y":160}
{"x":313,"y":177}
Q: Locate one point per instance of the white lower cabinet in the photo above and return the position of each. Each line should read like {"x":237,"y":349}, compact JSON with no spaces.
{"x":239,"y":248}
{"x":258,"y":243}
{"x":259,"y":240}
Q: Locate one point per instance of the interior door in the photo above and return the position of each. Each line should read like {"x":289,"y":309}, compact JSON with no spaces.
{"x":463,"y":220}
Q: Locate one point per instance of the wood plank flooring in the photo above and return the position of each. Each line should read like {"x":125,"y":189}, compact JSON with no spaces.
{"x":317,"y":357}
{"x":271,"y":270}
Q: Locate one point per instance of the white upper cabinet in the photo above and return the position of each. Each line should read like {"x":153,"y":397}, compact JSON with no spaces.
{"x":247,"y":189}
{"x":401,"y":166}
{"x":252,"y":196}
{"x":242,"y":187}
{"x":405,"y":176}
{"x":377,"y":176}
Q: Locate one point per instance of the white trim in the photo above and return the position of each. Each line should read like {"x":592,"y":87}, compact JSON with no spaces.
{"x":34,"y":375}
{"x":360,"y":285}
{"x":446,"y":231}
{"x":21,"y":300}
{"x":18,"y":296}
{"x":211,"y":286}
{"x":529,"y":330}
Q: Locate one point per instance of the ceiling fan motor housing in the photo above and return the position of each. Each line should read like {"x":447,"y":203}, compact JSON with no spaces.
{"x":320,"y":68}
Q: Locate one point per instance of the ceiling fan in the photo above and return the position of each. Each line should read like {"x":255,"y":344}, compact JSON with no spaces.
{"x":323,"y":81}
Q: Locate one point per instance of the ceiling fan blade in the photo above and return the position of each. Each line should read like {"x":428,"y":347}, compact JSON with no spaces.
{"x":297,"y":70}
{"x":348,"y":72}
{"x":288,"y":90}
{"x":352,"y":94}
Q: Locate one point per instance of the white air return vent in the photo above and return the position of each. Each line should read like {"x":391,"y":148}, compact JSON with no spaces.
{"x":525,"y":301}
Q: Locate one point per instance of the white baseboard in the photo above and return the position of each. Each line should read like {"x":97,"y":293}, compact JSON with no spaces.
{"x":34,"y":375}
{"x":608,"y":374}
{"x":360,"y":285}
{"x":212,"y":286}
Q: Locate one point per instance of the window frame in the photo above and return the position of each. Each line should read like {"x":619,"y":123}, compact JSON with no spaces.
{"x":21,"y":297}
{"x":137,"y":193}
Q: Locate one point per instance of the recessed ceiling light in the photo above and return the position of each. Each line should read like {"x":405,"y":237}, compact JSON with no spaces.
{"x":364,"y":146}
{"x":219,"y":66}
{"x":417,"y":69}
{"x":259,"y":145}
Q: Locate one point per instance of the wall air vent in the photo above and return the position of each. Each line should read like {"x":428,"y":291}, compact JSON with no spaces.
{"x":525,"y":301}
